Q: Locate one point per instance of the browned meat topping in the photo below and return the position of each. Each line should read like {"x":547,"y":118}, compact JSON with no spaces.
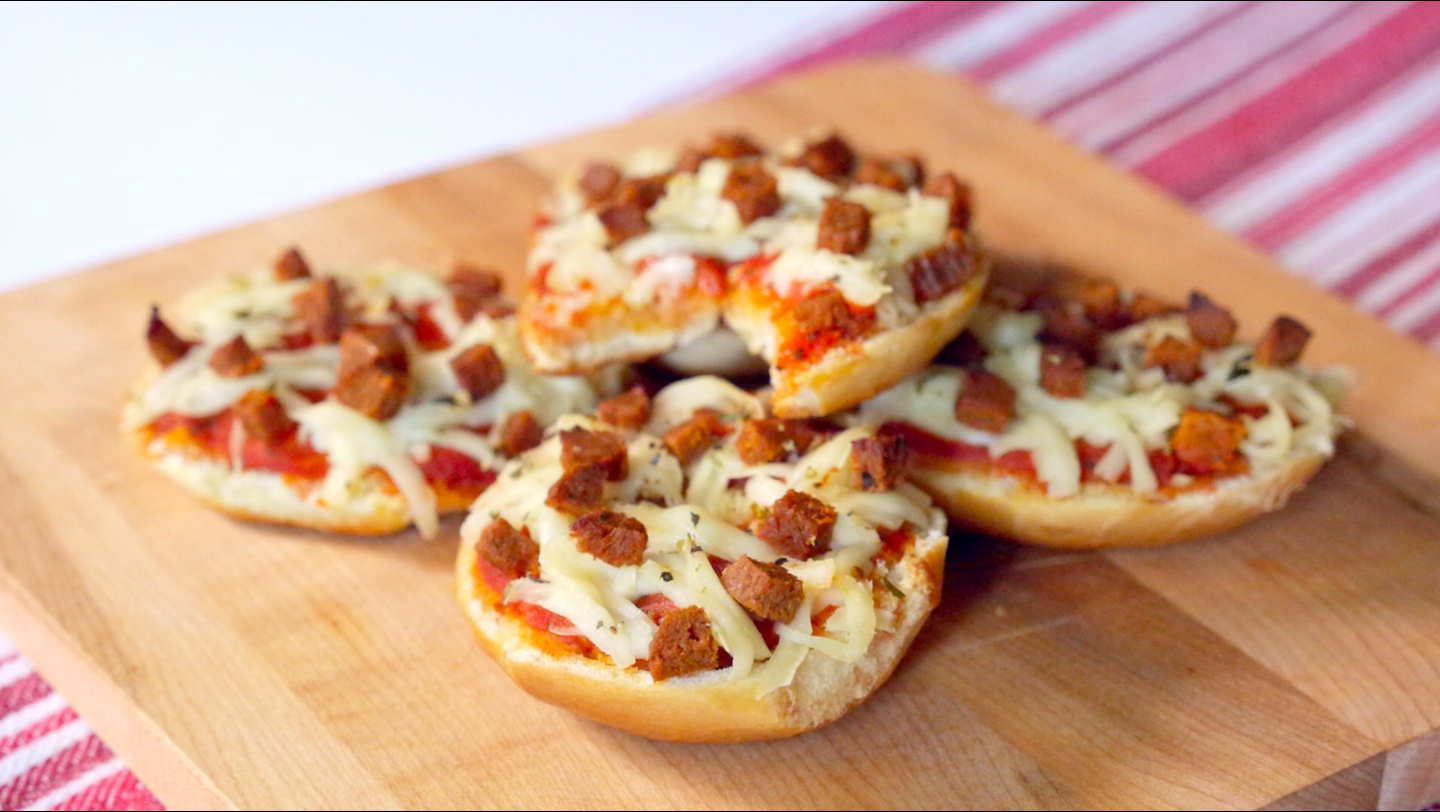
{"x":730,"y":146}
{"x":897,"y":174}
{"x":477,"y":290}
{"x":291,"y":265}
{"x":753,"y":190}
{"x":599,"y":181}
{"x":235,"y":359}
{"x":986,"y":402}
{"x":582,"y":447}
{"x":322,"y":310}
{"x":623,"y":221}
{"x":628,"y":411}
{"x":614,"y":538}
{"x":641,"y":192}
{"x":844,"y":227}
{"x":957,"y":192}
{"x":263,"y":417}
{"x":826,"y":311}
{"x":773,"y":440}
{"x":683,"y":644}
{"x":165,"y":345}
{"x":798,"y":525}
{"x":1210,"y":324}
{"x":767,"y":591}
{"x":373,"y":392}
{"x":519,"y":433}
{"x":578,"y":490}
{"x":1066,"y":323}
{"x":1144,"y":306}
{"x":964,"y":351}
{"x":1282,"y":344}
{"x":374,"y":375}
{"x":1206,"y":442}
{"x":695,"y":436}
{"x":831,"y":158}
{"x":1179,"y":359}
{"x":878,"y":463}
{"x":511,"y":551}
{"x":1062,"y":371}
{"x":941,"y":270}
{"x":478,"y":370}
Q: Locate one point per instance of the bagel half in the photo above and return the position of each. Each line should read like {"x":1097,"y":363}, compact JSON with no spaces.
{"x":591,"y":655}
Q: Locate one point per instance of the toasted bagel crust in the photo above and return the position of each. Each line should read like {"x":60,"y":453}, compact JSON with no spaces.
{"x":1109,"y":515}
{"x":853,"y":372}
{"x":705,"y":708}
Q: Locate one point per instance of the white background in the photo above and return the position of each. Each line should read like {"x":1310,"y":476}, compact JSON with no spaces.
{"x":127,"y":127}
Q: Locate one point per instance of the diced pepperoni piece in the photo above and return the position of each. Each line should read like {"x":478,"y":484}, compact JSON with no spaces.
{"x":623,"y":222}
{"x":1098,"y":298}
{"x":986,"y":402}
{"x":1062,"y":371}
{"x":641,"y":192}
{"x":578,"y":490}
{"x":1206,"y":442}
{"x":683,"y":644}
{"x":373,"y":345}
{"x":581,"y":447}
{"x":772,"y":440}
{"x":614,"y":538}
{"x":1210,"y":324}
{"x":878,"y":463}
{"x":690,"y":160}
{"x":322,"y":310}
{"x":941,"y":270}
{"x":830,"y":158}
{"x":477,"y":290}
{"x":1145,"y":306}
{"x":511,"y":551}
{"x":1282,"y":344}
{"x":798,"y":525}
{"x":896,"y":174}
{"x":235,"y":359}
{"x":1066,"y":323}
{"x":263,"y":417}
{"x":964,"y":351}
{"x":844,"y":227}
{"x":165,"y":345}
{"x":753,"y":190}
{"x":734,"y":145}
{"x":826,"y":311}
{"x":1179,"y":359}
{"x":767,"y":591}
{"x":373,"y":392}
{"x":291,"y":265}
{"x":478,"y":370}
{"x":599,"y":181}
{"x":519,"y":433}
{"x":695,"y":436}
{"x":628,"y":411}
{"x":957,"y":193}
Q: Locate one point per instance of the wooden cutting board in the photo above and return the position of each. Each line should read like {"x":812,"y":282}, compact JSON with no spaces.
{"x":239,"y":665}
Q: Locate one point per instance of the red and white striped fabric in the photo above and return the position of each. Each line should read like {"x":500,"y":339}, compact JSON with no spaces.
{"x":1311,"y":129}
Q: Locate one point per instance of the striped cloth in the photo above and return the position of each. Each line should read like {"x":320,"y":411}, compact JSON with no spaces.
{"x":1310,"y":129}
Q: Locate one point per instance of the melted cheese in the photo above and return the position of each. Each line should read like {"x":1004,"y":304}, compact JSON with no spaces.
{"x":436,"y":413}
{"x":692,"y":218}
{"x":1127,"y":408}
{"x":707,"y":519}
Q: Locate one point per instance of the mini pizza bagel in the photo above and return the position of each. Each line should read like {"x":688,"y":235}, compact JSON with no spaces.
{"x":843,"y":272}
{"x":1078,"y":415}
{"x":359,"y":400}
{"x":691,"y":569}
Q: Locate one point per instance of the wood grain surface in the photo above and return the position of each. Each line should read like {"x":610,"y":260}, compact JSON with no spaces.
{"x":233,"y":664}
